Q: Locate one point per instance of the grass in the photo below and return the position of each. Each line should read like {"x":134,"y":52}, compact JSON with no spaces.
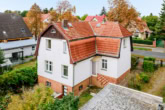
{"x":86,"y":95}
{"x":139,"y":48}
{"x":27,"y":64}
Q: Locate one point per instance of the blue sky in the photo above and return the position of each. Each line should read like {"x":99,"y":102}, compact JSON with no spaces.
{"x":91,"y":7}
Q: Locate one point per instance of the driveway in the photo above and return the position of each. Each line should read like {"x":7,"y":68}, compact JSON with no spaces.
{"x":157,"y":55}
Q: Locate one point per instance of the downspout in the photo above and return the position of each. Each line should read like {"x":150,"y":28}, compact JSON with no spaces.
{"x":73,"y":76}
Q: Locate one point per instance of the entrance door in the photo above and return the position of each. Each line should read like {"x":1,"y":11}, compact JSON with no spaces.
{"x":15,"y":56}
{"x":65,"y":91}
{"x":94,"y":68}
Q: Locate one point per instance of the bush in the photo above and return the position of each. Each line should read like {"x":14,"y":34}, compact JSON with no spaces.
{"x":69,"y":102}
{"x":14,"y":80}
{"x":148,"y":66}
{"x":135,"y":82}
{"x":149,"y":59}
{"x":138,"y":41}
{"x":4,"y":101}
{"x":134,"y":62}
{"x":145,"y":77}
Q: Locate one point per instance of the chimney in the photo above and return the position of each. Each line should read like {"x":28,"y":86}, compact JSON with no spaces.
{"x":65,"y":23}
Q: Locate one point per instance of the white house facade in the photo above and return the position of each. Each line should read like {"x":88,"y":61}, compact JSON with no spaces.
{"x":72,"y":56}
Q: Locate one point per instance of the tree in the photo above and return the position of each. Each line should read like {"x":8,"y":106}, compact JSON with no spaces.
{"x":34,"y":17}
{"x":54,"y":16}
{"x":63,"y":6}
{"x":51,"y":9}
{"x":162,"y":19}
{"x":84,"y":17}
{"x":103,"y":12}
{"x":78,"y":17}
{"x":2,"y":58}
{"x":45,"y":11}
{"x":24,"y":13}
{"x":151,"y":21}
{"x":123,"y":12}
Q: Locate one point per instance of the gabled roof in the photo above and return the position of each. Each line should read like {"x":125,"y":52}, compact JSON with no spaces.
{"x":12,"y":26}
{"x":99,"y":18}
{"x":86,"y":39}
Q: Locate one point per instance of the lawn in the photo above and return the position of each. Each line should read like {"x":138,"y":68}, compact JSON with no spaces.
{"x":86,"y":95}
{"x":140,"y":48}
{"x":27,"y":64}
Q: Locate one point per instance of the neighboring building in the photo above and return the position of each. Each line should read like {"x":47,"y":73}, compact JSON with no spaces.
{"x":16,"y":50}
{"x":12,"y":28}
{"x":15,"y":38}
{"x":46,"y":18}
{"x":100,"y":19}
{"x":140,"y":31}
{"x":115,"y":97}
{"x":72,"y":56}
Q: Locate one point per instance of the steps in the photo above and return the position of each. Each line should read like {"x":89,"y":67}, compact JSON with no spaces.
{"x":103,"y":81}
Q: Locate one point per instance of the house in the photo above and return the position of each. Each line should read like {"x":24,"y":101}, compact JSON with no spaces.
{"x":15,"y":38}
{"x":12,"y":28}
{"x":72,"y":56}
{"x":141,"y":31}
{"x":97,"y":18}
{"x":45,"y":18}
{"x":115,"y":97}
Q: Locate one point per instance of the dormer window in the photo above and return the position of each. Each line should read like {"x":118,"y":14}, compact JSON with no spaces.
{"x":53,"y":31}
{"x":22,"y":30}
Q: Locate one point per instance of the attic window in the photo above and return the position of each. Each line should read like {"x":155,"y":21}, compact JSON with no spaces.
{"x":22,"y":30}
{"x":98,"y":25}
{"x":70,"y":24}
{"x":53,"y":31}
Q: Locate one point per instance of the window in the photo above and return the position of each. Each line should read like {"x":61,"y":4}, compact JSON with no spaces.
{"x":48,"y":44}
{"x":64,"y":47}
{"x":53,"y":31}
{"x":48,"y":83}
{"x":64,"y":71}
{"x":33,"y":47}
{"x":124,"y":43}
{"x":80,"y":87}
{"x":48,"y":66}
{"x":104,"y":64}
{"x":22,"y":30}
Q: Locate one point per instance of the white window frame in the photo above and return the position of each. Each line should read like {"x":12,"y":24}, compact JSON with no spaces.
{"x":63,"y":75}
{"x":48,"y":66}
{"x":33,"y":47}
{"x":104,"y":64}
{"x":64,"y":47}
{"x":124,"y":43}
{"x":48,"y":47}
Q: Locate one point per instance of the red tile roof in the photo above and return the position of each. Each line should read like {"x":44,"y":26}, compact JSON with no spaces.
{"x":45,"y":16}
{"x":82,"y":49}
{"x":99,"y":18}
{"x":108,"y":46}
{"x":112,"y":29}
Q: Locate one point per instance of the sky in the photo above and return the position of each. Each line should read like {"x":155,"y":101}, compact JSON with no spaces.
{"x":90,"y":7}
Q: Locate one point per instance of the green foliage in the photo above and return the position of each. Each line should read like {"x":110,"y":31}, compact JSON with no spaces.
{"x":149,"y":59}
{"x":135,"y":82}
{"x":78,"y":17}
{"x":69,"y":102}
{"x":144,"y":77}
{"x":103,"y":12}
{"x":4,"y":101}
{"x":146,"y":49}
{"x":32,"y":99}
{"x":148,"y":66}
{"x":134,"y":62}
{"x":23,"y":13}
{"x":1,"y":57}
{"x":84,"y":17}
{"x":162,"y":19}
{"x":163,"y":93}
{"x":45,"y":11}
{"x":148,"y":42}
{"x":14,"y":80}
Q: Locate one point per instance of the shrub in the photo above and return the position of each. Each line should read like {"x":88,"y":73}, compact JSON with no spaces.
{"x":134,"y":62}
{"x":4,"y":101}
{"x":138,"y":41}
{"x":149,"y":59}
{"x":144,"y":77}
{"x":135,"y":82}
{"x":148,"y":66}
{"x":14,"y":80}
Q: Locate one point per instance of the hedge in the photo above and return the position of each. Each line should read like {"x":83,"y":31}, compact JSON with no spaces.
{"x":148,"y":66}
{"x":14,"y":80}
{"x":149,"y":59}
{"x":148,"y":42}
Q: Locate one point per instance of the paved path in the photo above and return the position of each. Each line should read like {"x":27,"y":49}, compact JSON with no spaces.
{"x":149,"y":54}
